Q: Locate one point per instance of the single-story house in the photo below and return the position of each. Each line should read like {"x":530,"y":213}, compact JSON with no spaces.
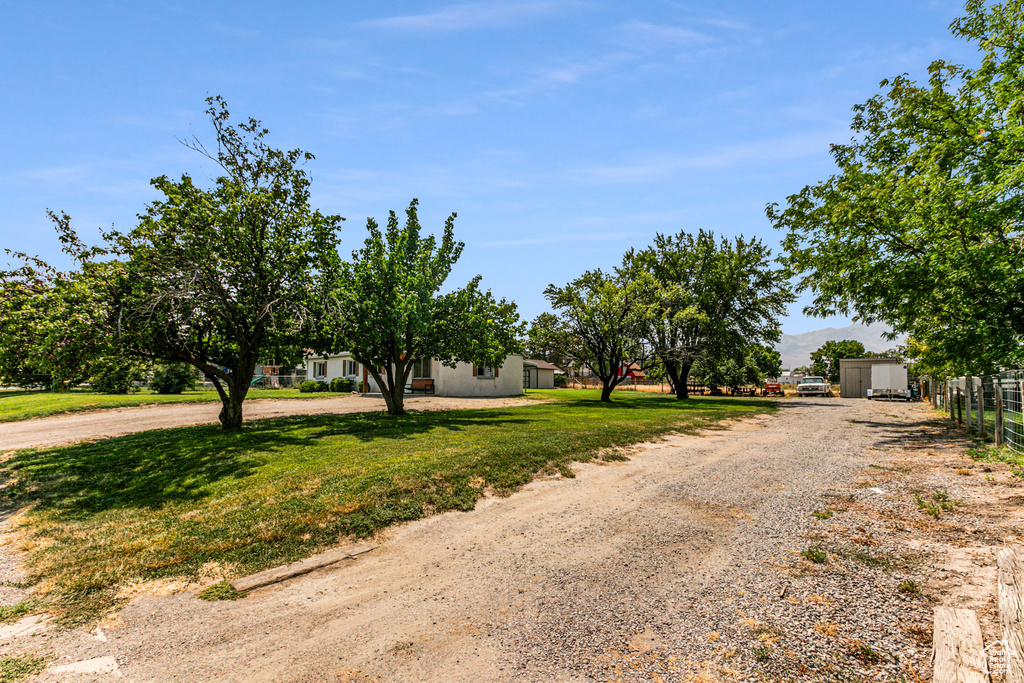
{"x":464,"y":379}
{"x":539,"y":374}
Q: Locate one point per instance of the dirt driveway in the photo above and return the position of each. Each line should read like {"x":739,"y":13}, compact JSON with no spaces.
{"x":681,"y":564}
{"x":100,"y":424}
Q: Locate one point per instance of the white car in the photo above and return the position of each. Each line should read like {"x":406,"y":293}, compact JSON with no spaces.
{"x":814,"y":386}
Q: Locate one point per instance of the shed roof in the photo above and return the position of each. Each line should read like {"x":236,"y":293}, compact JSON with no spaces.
{"x":541,"y":364}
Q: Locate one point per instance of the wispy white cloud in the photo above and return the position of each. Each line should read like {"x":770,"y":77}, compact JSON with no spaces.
{"x":658,"y":167}
{"x":470,"y":16}
{"x":645,"y":35}
{"x":553,"y":77}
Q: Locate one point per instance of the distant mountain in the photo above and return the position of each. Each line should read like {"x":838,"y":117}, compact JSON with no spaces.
{"x":796,"y":349}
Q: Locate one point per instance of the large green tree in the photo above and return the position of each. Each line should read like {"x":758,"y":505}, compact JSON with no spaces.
{"x":706,"y":296}
{"x":602,"y":316}
{"x":389,"y":311}
{"x":920,"y":227}
{"x":214,"y":277}
{"x":825,"y":359}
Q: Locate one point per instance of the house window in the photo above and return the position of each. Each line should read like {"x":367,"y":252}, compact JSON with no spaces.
{"x":421,"y":367}
{"x":349,"y":368}
{"x":484,"y":372}
{"x":320,"y":368}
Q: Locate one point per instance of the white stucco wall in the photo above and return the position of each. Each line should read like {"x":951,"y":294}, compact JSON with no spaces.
{"x":545,"y":379}
{"x":459,"y":381}
{"x":334,"y":368}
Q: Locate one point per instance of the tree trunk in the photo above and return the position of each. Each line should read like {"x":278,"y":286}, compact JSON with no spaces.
{"x":682,"y":381}
{"x":394,"y":396}
{"x":673,"y":378}
{"x":397,"y":403}
{"x":231,"y":411}
{"x":606,"y":392}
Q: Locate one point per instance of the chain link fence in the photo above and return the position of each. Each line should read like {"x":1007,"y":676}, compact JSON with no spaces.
{"x":990,"y":406}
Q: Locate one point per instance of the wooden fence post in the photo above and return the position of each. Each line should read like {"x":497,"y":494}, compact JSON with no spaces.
{"x":959,"y":407}
{"x":949,"y":401}
{"x":968,"y":402}
{"x":998,"y":427}
{"x":981,"y":409}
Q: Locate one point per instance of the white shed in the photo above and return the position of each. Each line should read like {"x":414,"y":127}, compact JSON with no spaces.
{"x":539,"y":374}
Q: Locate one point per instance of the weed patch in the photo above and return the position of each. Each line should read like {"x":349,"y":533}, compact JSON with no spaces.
{"x":11,"y":613}
{"x":822,"y":514}
{"x":816,"y":555}
{"x":940,"y":501}
{"x":999,"y":454}
{"x":221,"y":591}
{"x":865,"y":558}
{"x":15,"y":668}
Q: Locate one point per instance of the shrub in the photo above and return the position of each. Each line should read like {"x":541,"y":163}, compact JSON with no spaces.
{"x":311,"y":386}
{"x":116,"y":378}
{"x":173,"y":379}
{"x":559,"y":381}
{"x":342,"y":385}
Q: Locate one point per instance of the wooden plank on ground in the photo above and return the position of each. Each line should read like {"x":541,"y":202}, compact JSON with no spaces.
{"x":289,"y":571}
{"x":1011,"y":610}
{"x":959,"y":650}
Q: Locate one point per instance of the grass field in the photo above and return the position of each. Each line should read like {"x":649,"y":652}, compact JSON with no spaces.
{"x":22,"y":405}
{"x":107,"y":515}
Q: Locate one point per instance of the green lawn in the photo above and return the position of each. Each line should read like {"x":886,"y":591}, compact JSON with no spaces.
{"x":22,"y":405}
{"x":159,"y":504}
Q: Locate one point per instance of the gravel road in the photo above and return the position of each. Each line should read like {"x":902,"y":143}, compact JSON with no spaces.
{"x":681,"y":563}
{"x":100,"y":424}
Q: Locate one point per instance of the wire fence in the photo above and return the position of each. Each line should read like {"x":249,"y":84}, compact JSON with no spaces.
{"x":991,"y":406}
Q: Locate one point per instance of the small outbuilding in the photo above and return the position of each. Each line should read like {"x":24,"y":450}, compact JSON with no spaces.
{"x":539,"y":374}
{"x":855,"y":375}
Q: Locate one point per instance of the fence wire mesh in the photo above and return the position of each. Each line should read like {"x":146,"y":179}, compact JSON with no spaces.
{"x":990,"y":406}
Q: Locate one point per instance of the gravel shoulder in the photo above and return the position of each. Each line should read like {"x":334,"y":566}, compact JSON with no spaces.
{"x":681,"y":563}
{"x":101,"y":424}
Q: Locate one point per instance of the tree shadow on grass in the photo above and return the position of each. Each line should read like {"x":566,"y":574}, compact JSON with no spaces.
{"x":152,"y":469}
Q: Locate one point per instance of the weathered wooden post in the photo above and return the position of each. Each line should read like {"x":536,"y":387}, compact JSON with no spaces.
{"x":968,"y":399}
{"x":981,"y":408}
{"x":959,"y":407}
{"x":949,"y":400}
{"x":998,"y":427}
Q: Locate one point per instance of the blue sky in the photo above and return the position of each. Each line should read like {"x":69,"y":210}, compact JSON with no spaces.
{"x":563,"y":132}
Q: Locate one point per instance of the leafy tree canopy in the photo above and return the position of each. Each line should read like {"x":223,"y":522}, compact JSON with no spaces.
{"x":209,"y":277}
{"x":921,"y":225}
{"x":53,"y":323}
{"x":825,"y":360}
{"x":750,"y":367}
{"x":548,"y":339}
{"x":706,"y":296}
{"x":602,"y":316}
{"x":388,"y":311}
